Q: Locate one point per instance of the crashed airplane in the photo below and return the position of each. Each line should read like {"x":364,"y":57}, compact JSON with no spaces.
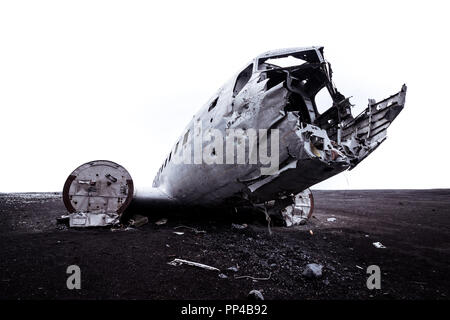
{"x":260,"y":142}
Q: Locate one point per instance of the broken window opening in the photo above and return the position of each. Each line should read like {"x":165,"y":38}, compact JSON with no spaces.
{"x":275,"y":78}
{"x":186,"y":137}
{"x":288,"y":60}
{"x":297,"y":103}
{"x":284,"y":62}
{"x":323,"y":100}
{"x":213,"y":104}
{"x":242,"y":79}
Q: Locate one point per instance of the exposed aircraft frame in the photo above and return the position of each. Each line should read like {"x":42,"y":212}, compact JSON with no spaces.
{"x":274,"y":102}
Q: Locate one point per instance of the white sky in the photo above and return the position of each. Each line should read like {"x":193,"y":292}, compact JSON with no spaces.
{"x":119,"y":80}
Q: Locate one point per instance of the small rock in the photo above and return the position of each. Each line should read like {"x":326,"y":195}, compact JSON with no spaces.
{"x":234,"y":269}
{"x":223,"y":276}
{"x":378,"y":245}
{"x":313,"y":270}
{"x":255,"y":295}
{"x":138,"y":220}
{"x":331,"y":219}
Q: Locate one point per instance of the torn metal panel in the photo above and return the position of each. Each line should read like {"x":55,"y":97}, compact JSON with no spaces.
{"x":292,"y":210}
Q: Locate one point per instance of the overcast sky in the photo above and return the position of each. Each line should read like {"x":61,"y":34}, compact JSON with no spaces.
{"x":120,"y":80}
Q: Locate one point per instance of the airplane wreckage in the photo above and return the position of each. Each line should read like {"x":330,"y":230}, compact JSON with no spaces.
{"x":264,"y":102}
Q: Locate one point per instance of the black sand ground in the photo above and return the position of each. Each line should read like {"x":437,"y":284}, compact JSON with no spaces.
{"x":413,"y":225}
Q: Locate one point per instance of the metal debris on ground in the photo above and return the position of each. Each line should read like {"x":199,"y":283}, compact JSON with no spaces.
{"x":137,"y":220}
{"x":161,"y":222}
{"x":190,"y":228}
{"x":179,"y":233}
{"x":331,"y":219}
{"x":378,"y":245}
{"x":223,"y":276}
{"x":239,"y":226}
{"x":255,"y":295}
{"x":234,"y":269}
{"x":254,"y":278}
{"x":122,"y":228}
{"x":313,"y":270}
{"x":178,"y":262}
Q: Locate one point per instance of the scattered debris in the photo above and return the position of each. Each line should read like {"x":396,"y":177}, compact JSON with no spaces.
{"x":190,"y":228}
{"x":137,"y":220}
{"x":234,"y":269}
{"x":255,"y":295}
{"x":378,"y":245}
{"x":311,"y":232}
{"x":268,"y":221}
{"x":178,"y":262}
{"x":359,"y":267}
{"x":179,"y":233}
{"x":331,"y":219}
{"x":223,"y":276}
{"x":254,"y":278}
{"x":122,"y":228}
{"x":160,"y":222}
{"x":239,"y":226}
{"x":313,"y":270}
